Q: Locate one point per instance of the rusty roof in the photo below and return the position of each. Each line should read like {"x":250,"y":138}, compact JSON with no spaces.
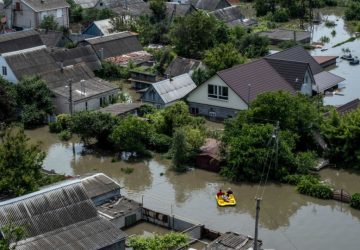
{"x":247,"y":83}
{"x":324,"y":59}
{"x":211,"y":148}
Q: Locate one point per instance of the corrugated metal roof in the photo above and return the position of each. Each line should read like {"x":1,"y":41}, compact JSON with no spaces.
{"x":326,"y":80}
{"x":85,"y":4}
{"x":174,"y":89}
{"x":99,"y":184}
{"x":229,"y":14}
{"x":104,"y":26}
{"x":19,"y":41}
{"x":59,"y":217}
{"x":239,"y":78}
{"x":232,"y":241}
{"x":116,"y":44}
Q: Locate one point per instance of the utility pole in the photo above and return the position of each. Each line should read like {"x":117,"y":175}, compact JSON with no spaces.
{"x":258,"y":200}
{"x":70,"y":97}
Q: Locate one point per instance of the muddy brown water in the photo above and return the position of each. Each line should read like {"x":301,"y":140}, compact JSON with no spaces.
{"x":288,"y":220}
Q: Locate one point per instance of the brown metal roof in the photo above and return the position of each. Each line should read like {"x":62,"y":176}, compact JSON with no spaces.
{"x":211,"y":148}
{"x":293,"y":72}
{"x":299,"y":54}
{"x":348,"y":107}
{"x":259,"y":74}
{"x":324,"y":59}
{"x":326,"y":80}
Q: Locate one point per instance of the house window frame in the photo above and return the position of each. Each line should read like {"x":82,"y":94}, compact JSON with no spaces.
{"x":218,"y":92}
{"x":4,"y":70}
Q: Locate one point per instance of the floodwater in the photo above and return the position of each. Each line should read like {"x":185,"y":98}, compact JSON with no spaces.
{"x":288,"y":220}
{"x":343,"y":69}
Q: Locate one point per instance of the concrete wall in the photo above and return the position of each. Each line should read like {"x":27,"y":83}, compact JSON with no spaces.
{"x":61,"y":16}
{"x":10,"y":76}
{"x":119,"y":222}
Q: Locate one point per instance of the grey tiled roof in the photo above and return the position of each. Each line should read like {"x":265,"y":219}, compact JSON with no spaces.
{"x":181,"y":65}
{"x":211,"y":5}
{"x":326,"y":80}
{"x":41,"y":5}
{"x":229,"y":14}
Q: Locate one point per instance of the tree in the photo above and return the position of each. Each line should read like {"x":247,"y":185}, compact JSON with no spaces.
{"x":194,"y":33}
{"x":94,"y":125}
{"x":178,"y":150}
{"x":122,"y":23}
{"x":200,"y":76}
{"x":49,"y":23}
{"x":223,"y":56}
{"x":7,"y":100}
{"x":171,"y":240}
{"x":12,"y":235}
{"x":131,"y":134}
{"x":34,"y":100}
{"x":158,"y":8}
{"x":352,"y":12}
{"x":20,"y":163}
{"x":252,"y":45}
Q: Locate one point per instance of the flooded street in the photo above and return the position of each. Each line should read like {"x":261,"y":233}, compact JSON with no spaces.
{"x":288,"y":220}
{"x":343,"y":69}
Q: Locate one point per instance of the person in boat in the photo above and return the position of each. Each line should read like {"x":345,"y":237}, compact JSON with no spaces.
{"x":220,"y":193}
{"x":229,"y":192}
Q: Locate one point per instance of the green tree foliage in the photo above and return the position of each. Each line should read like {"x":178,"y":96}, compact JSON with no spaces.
{"x":179,"y":151}
{"x":171,"y":240}
{"x":93,"y":14}
{"x":123,"y":23}
{"x":158,"y":8}
{"x":355,"y":201}
{"x":165,"y":58}
{"x":310,"y":185}
{"x":93,"y":125}
{"x":110,"y":70}
{"x":131,"y":134}
{"x":49,"y":23}
{"x":20,"y":163}
{"x":342,"y":133}
{"x":200,"y":76}
{"x":352,"y":12}
{"x":34,"y":100}
{"x":75,"y":11}
{"x":223,"y":56}
{"x":12,"y":235}
{"x":252,"y":45}
{"x":7,"y":100}
{"x":193,"y":34}
{"x":297,"y":114}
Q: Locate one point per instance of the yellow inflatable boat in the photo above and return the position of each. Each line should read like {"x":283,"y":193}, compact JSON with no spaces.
{"x":222,"y":203}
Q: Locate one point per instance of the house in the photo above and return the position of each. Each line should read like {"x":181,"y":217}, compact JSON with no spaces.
{"x":113,"y":45}
{"x":90,"y":94}
{"x":232,"y":90}
{"x":27,"y":14}
{"x":324,"y":80}
{"x":165,"y":93}
{"x":178,"y":9}
{"x":69,"y":221}
{"x":99,"y":28}
{"x":121,"y":109}
{"x":282,"y":35}
{"x":181,"y":65}
{"x":133,"y":8}
{"x":142,"y":80}
{"x":210,"y":5}
{"x":54,"y":38}
{"x":348,"y":107}
{"x":209,"y":156}
{"x":233,"y":16}
{"x":233,"y":241}
{"x":20,"y":40}
{"x":326,"y":61}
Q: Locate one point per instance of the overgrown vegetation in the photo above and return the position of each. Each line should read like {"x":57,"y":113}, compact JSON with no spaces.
{"x":355,"y":201}
{"x":12,"y":234}
{"x":171,"y":240}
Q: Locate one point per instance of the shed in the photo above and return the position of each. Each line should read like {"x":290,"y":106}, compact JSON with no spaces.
{"x":326,"y":61}
{"x":166,"y":92}
{"x":232,"y":241}
{"x":281,"y":35}
{"x":20,"y":40}
{"x":119,"y":109}
{"x":115,"y":44}
{"x":100,"y":188}
{"x":60,"y":217}
{"x":209,"y":157}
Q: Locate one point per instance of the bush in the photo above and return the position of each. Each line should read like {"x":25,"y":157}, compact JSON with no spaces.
{"x":64,"y":120}
{"x":292,"y":179}
{"x":310,"y":185}
{"x":159,"y":142}
{"x":55,"y":127}
{"x":330,"y":24}
{"x":324,"y":39}
{"x":65,"y":135}
{"x":355,"y":201}
{"x":352,"y":12}
{"x":112,"y":70}
{"x":281,"y":15}
{"x":287,"y":44}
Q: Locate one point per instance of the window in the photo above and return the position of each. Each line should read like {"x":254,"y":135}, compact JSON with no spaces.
{"x":59,"y":13}
{"x":218,"y":92}
{"x":194,"y":111}
{"x":4,"y":71}
{"x":103,"y":101}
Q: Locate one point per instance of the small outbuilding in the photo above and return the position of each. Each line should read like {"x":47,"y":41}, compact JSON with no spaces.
{"x":281,"y":35}
{"x":121,"y":109}
{"x":209,"y":158}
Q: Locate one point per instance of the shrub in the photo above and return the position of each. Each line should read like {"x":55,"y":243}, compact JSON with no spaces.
{"x":281,"y":15}
{"x":292,"y":179}
{"x":127,"y":170}
{"x":65,"y":135}
{"x":64,"y":120}
{"x":287,"y":44}
{"x":324,"y":39}
{"x":159,"y":142}
{"x":310,"y":185}
{"x":355,"y":201}
{"x":330,"y":24}
{"x":55,"y":127}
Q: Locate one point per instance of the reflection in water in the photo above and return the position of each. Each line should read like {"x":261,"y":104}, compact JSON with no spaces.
{"x":287,"y":219}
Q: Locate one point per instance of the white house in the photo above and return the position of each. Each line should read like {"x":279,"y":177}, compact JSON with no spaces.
{"x":28,"y":14}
